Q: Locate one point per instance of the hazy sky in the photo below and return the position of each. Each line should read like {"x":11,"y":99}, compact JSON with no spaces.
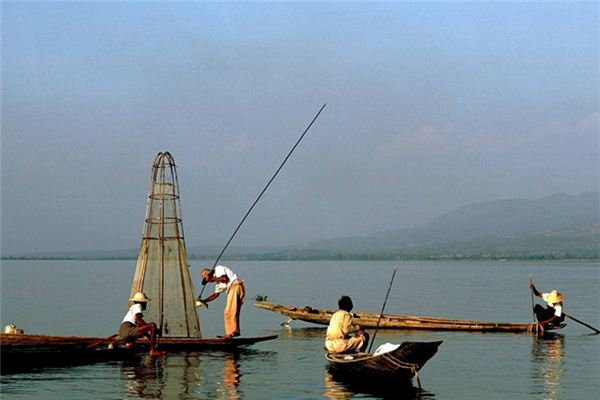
{"x":430,"y":106}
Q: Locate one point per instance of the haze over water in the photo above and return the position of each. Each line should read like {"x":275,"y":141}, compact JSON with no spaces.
{"x":430,"y":106}
{"x":89,"y":298}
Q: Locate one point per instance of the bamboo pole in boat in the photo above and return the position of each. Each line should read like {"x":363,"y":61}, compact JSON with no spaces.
{"x":382,"y":308}
{"x":532,"y":306}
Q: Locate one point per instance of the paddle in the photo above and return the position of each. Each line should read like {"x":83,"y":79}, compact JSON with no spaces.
{"x":532,"y":305}
{"x":582,"y":323}
{"x":566,"y":315}
{"x":381,"y":313}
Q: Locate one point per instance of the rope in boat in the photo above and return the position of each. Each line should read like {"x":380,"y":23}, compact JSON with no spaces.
{"x":538,"y":328}
{"x":414,"y":368}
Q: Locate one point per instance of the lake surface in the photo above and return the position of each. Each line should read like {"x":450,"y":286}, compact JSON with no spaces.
{"x":90,"y":298}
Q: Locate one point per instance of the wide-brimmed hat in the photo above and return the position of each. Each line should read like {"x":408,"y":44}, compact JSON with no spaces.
{"x":140,"y":297}
{"x":554,"y":296}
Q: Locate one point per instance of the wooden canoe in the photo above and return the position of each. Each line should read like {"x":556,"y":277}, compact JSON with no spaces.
{"x":390,"y":321}
{"x":19,"y":351}
{"x":396,"y":367}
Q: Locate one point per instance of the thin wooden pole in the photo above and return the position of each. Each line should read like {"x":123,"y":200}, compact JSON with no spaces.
{"x":381,"y":313}
{"x":106,"y":339}
{"x":263,"y":191}
{"x":532,"y":304}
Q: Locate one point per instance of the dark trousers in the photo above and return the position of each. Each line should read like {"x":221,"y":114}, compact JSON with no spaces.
{"x":543,"y":314}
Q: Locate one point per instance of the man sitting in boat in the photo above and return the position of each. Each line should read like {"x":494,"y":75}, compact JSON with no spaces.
{"x":226,"y":280}
{"x":553,"y":313}
{"x":339,"y":338}
{"x":133,"y":325}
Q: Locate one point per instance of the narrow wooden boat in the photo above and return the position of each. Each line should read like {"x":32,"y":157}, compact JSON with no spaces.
{"x":396,"y":367}
{"x":25,"y":352}
{"x":20,"y":351}
{"x":390,"y":321}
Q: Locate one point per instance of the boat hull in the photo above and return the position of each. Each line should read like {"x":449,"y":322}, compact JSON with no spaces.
{"x":29,"y":351}
{"x":391,"y":321}
{"x":397,"y":367}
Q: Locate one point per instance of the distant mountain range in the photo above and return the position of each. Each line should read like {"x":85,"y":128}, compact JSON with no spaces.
{"x":559,"y":226}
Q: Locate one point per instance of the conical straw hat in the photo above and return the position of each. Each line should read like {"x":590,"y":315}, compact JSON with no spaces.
{"x":140,"y":297}
{"x":554,"y":297}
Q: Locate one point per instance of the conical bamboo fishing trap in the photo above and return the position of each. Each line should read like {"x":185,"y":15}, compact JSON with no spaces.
{"x":162,"y":270}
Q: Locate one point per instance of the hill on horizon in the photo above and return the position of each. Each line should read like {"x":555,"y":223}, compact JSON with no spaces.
{"x":559,"y":226}
{"x":555,"y":226}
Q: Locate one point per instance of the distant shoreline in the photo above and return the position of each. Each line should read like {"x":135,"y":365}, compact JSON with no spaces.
{"x":432,"y":259}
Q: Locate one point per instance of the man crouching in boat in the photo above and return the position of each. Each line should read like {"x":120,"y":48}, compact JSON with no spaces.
{"x":339,"y":338}
{"x":133,"y":325}
{"x":553,"y":314}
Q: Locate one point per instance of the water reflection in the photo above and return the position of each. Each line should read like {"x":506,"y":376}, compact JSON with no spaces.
{"x":547,"y":368}
{"x":144,"y":377}
{"x":338,"y":389}
{"x":335,"y":390}
{"x":207,"y":375}
{"x":303,"y":333}
{"x":231,"y":376}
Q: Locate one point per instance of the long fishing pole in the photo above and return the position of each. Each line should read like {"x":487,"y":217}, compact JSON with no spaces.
{"x":262,"y":192}
{"x":381,"y":313}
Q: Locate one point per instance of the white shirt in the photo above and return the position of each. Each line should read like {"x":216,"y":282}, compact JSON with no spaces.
{"x":221,"y":270}
{"x":136,"y":308}
{"x":557,"y":306}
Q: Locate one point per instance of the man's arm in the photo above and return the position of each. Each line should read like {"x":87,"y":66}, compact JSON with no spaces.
{"x":211,"y":297}
{"x":349,"y":327}
{"x":534,"y":290}
{"x":139,"y":321}
{"x":549,"y":320}
{"x":216,"y":279}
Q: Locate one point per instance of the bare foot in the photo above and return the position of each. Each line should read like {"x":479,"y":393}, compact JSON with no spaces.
{"x":156,"y":353}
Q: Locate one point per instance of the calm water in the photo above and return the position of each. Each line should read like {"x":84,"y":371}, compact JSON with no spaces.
{"x":90,"y":298}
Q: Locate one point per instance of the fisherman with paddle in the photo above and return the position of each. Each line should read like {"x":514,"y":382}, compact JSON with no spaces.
{"x":226,"y":280}
{"x":342,"y":335}
{"x":133,"y":325}
{"x":552,"y":315}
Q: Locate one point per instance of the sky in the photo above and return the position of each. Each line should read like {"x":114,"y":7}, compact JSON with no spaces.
{"x":430,"y":106}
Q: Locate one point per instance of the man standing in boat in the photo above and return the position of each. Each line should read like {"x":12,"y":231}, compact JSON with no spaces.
{"x":339,"y":338}
{"x":553,"y":314}
{"x":226,"y":280}
{"x":133,"y":325}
